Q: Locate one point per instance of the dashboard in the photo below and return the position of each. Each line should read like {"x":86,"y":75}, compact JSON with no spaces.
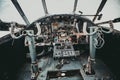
{"x":61,"y":28}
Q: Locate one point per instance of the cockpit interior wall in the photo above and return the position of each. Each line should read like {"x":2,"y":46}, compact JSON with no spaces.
{"x":12,"y":57}
{"x":110,"y":52}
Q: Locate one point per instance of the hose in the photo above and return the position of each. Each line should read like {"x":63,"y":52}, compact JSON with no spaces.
{"x":98,"y":40}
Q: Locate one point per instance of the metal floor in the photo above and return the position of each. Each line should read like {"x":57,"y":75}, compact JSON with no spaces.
{"x":49,"y":64}
{"x":25,"y":73}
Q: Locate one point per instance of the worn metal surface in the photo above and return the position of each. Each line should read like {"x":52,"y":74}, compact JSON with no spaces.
{"x":49,"y":64}
{"x":91,"y":42}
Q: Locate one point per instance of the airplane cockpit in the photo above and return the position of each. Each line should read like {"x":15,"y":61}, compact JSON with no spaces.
{"x":63,"y":46}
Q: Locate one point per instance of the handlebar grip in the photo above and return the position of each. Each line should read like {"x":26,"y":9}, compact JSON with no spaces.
{"x":12,"y":33}
{"x":116,"y":20}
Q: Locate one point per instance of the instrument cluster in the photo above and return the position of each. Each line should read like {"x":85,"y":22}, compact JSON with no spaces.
{"x":60,"y":29}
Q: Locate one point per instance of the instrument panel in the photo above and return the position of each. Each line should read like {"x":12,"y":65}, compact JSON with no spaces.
{"x":61,"y":28}
{"x":64,"y":50}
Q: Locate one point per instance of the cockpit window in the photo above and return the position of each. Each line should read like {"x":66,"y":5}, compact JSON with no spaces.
{"x":60,"y":6}
{"x":33,"y":9}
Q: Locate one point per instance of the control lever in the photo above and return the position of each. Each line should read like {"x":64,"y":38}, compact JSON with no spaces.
{"x":80,"y":12}
{"x":106,"y":22}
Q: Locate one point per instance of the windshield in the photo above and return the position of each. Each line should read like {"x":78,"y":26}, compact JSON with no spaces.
{"x":33,"y":9}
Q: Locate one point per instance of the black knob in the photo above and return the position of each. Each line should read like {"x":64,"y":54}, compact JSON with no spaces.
{"x":116,"y":20}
